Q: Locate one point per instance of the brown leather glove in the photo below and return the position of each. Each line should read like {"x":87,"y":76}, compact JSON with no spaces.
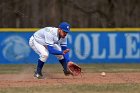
{"x":74,"y":69}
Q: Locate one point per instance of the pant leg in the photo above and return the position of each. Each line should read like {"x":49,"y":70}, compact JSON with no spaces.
{"x":39,"y":49}
{"x":61,"y":58}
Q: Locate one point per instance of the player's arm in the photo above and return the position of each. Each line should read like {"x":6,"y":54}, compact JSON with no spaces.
{"x":66,"y":56}
{"x":54,"y":51}
{"x":64,"y":47}
{"x":49,"y":45}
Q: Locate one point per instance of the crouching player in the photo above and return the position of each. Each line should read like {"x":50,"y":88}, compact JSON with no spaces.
{"x":51,"y":40}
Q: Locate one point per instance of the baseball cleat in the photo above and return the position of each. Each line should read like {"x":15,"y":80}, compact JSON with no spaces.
{"x":38,"y":75}
{"x":67,"y":73}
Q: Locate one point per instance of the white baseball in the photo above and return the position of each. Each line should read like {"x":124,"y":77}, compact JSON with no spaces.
{"x":103,"y":74}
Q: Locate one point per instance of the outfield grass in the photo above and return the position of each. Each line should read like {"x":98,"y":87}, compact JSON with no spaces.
{"x":70,"y":88}
{"x":111,"y":67}
{"x":13,"y":69}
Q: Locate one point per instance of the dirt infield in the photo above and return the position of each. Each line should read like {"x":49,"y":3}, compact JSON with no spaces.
{"x":27,"y":80}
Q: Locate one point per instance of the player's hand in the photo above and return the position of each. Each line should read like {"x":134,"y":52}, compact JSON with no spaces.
{"x":66,"y":51}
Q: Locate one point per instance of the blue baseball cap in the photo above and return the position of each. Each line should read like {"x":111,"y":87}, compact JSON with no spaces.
{"x":65,"y":27}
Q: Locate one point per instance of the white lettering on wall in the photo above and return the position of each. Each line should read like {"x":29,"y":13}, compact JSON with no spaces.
{"x":96,"y":54}
{"x":82,"y":53}
{"x":132,"y":50}
{"x":112,"y":47}
{"x":90,"y":46}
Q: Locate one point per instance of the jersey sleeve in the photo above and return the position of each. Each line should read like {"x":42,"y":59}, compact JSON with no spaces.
{"x":63,"y":41}
{"x":54,"y":51}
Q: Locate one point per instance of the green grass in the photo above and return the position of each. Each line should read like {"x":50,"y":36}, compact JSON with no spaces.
{"x":111,"y":67}
{"x":13,"y":69}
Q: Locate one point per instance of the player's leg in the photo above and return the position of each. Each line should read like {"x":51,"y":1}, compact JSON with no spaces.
{"x":42,"y":52}
{"x":62,"y":60}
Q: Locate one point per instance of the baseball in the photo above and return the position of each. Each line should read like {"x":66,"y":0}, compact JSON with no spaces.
{"x":103,"y":74}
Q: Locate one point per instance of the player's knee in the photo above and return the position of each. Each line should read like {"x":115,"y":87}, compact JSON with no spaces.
{"x":60,"y":57}
{"x":43,"y":58}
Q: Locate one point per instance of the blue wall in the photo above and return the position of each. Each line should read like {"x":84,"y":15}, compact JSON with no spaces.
{"x":86,"y":47}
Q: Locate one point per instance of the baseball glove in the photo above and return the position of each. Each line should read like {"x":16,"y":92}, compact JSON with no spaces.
{"x":74,"y":69}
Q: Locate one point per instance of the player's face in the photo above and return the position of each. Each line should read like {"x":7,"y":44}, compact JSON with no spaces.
{"x":62,"y":34}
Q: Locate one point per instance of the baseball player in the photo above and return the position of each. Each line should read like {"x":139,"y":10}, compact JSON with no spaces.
{"x":51,"y":40}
